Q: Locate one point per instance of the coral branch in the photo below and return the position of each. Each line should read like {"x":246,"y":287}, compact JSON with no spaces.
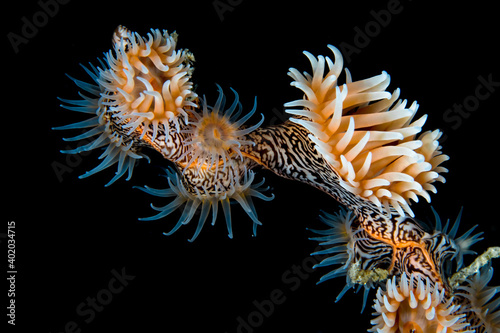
{"x":459,"y":277}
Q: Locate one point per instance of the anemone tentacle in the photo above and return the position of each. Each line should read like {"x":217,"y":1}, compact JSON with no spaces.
{"x":462,"y":243}
{"x":481,"y":307}
{"x":410,"y":304}
{"x":241,"y":190}
{"x":120,"y":149}
{"x":348,"y":245}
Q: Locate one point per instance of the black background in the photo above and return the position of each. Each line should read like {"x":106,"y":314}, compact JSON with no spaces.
{"x":71,"y":234}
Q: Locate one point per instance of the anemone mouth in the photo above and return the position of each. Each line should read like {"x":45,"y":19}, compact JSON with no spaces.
{"x":367,"y":135}
{"x":216,"y":136}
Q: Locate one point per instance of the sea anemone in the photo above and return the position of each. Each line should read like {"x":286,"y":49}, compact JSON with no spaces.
{"x":462,"y":243}
{"x":367,"y":135}
{"x":416,"y":306}
{"x":339,"y":238}
{"x":120,"y":148}
{"x":241,"y":190}
{"x":481,"y":310}
{"x":215,"y":135}
{"x":346,"y":246}
{"x":145,"y":83}
{"x":148,"y":81}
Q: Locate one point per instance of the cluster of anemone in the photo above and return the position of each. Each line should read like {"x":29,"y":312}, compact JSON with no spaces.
{"x":365,"y":144}
{"x":143,"y":90}
{"x":410,"y":303}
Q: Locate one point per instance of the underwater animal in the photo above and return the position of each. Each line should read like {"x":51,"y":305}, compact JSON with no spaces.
{"x":352,"y":139}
